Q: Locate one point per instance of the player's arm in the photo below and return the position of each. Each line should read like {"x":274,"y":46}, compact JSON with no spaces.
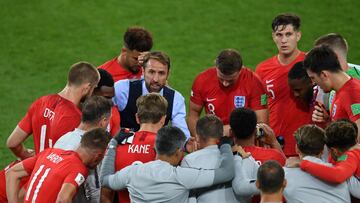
{"x":13,"y":177}
{"x":66,"y":193}
{"x":15,"y":143}
{"x":358,"y":125}
{"x":243,"y":183}
{"x":107,"y":195}
{"x":336,"y":174}
{"x":354,"y":186}
{"x":194,"y":115}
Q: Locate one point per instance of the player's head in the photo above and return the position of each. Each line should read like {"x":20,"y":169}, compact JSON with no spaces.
{"x":85,"y":76}
{"x":209,"y":126}
{"x":320,"y":63}
{"x":105,"y":86}
{"x":300,"y":83}
{"x":270,"y":178}
{"x":92,"y":146}
{"x":310,"y":140}
{"x":156,"y":70}
{"x":136,"y":40}
{"x":151,"y":108}
{"x":334,"y":41}
{"x":286,"y":32}
{"x":169,"y":142}
{"x":340,"y":136}
{"x":228,"y":65}
{"x":96,"y":112}
{"x":242,"y":123}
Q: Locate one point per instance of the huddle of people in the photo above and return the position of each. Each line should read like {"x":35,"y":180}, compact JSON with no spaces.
{"x":120,"y":133}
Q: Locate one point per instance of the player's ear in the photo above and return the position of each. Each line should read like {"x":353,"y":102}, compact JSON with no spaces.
{"x":162,"y":120}
{"x":298,"y":36}
{"x":137,"y":118}
{"x":257,"y":184}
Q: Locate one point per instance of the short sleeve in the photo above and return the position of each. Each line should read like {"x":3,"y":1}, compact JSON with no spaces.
{"x":258,"y":94}
{"x":26,"y":122}
{"x":195,"y":95}
{"x":77,"y":176}
{"x":29,"y":163}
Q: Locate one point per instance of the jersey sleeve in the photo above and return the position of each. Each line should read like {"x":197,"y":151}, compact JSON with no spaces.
{"x":77,"y":176}
{"x":114,"y":121}
{"x":195,"y":95}
{"x":29,"y":163}
{"x":353,"y":111}
{"x":336,"y":174}
{"x":258,"y":94}
{"x":26,"y":122}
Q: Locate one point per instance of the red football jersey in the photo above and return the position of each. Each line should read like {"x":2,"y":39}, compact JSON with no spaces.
{"x":262,"y":154}
{"x":114,"y":123}
{"x":49,"y":171}
{"x":23,"y":181}
{"x":287,"y":113}
{"x":248,"y":91}
{"x":346,"y":103}
{"x":118,"y":72}
{"x":346,"y":166}
{"x":48,"y":118}
{"x":141,"y":148}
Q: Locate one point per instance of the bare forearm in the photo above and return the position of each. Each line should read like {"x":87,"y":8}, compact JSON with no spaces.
{"x":12,"y":188}
{"x":192,"y":119}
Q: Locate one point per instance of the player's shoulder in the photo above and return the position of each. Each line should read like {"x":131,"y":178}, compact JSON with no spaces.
{"x":266,"y":63}
{"x":108,"y":64}
{"x":205,"y":75}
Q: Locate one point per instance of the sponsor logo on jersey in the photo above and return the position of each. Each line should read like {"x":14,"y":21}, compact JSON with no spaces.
{"x":355,"y":109}
{"x":79,"y":179}
{"x":268,"y":81}
{"x":343,"y":157}
{"x":239,"y":101}
{"x":210,"y":99}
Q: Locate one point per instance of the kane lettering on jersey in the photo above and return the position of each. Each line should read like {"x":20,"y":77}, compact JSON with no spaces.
{"x":49,"y":171}
{"x":141,"y":148}
{"x":287,"y":113}
{"x":48,"y":118}
{"x":118,"y":72}
{"x":346,"y":103}
{"x":248,"y":92}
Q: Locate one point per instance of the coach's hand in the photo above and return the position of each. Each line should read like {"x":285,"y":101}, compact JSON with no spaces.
{"x":123,"y":134}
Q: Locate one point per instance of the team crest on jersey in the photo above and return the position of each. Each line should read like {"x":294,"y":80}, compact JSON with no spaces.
{"x":79,"y":179}
{"x":239,"y":101}
{"x":334,"y":111}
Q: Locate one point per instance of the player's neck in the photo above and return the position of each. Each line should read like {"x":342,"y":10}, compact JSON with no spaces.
{"x":149,"y":127}
{"x":276,"y":197}
{"x":246,"y":142}
{"x":339,"y":79}
{"x":83,"y":154}
{"x":87,"y":127}
{"x":121,"y":61}
{"x":170,"y":159}
{"x":286,"y":59}
{"x":209,"y":142}
{"x":72,"y":94}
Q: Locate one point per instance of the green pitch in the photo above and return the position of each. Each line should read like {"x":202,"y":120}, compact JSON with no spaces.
{"x":39,"y":40}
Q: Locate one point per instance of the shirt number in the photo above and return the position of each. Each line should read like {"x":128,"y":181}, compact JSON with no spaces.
{"x":269,"y":88}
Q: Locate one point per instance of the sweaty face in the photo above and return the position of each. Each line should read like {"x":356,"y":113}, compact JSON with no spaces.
{"x":131,"y":60}
{"x":155,"y":75}
{"x":320,"y":79}
{"x":302,"y":89}
{"x":286,"y":39}
{"x":227,"y":80}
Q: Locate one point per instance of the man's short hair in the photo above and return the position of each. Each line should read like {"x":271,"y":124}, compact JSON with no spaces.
{"x":158,"y":56}
{"x":81,"y":73}
{"x":209,"y":126}
{"x":270,"y":177}
{"x":229,"y":61}
{"x":298,"y":72}
{"x":151,"y":108}
{"x":341,"y":135}
{"x":284,"y":19}
{"x":168,"y":140}
{"x":243,"y":122}
{"x":138,"y":38}
{"x":310,"y":139}
{"x":94,"y":109}
{"x":97,"y":139}
{"x":334,"y":41}
{"x":320,"y":59}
